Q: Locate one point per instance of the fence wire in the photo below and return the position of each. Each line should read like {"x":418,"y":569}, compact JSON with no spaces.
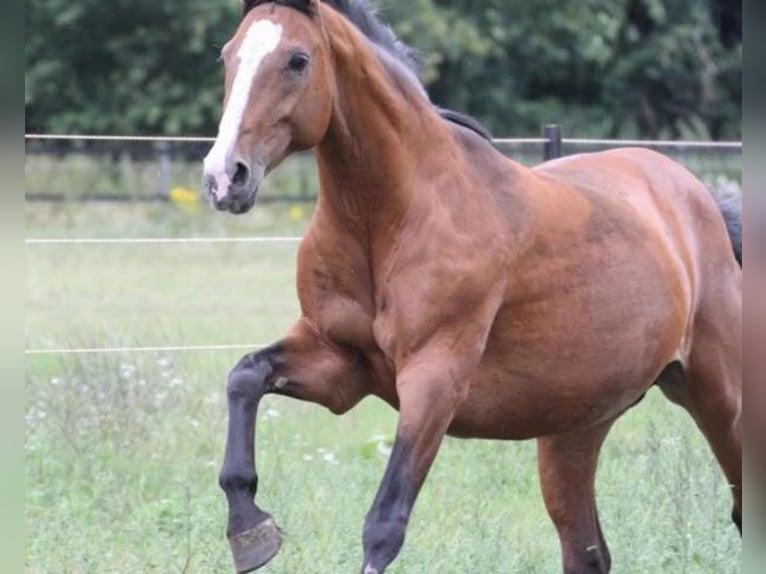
{"x":157,"y":240}
{"x":71,"y":166}
{"x":147,"y":169}
{"x":128,"y":350}
{"x":512,"y":141}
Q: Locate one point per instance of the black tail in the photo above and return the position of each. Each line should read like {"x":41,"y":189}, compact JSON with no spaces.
{"x":731,"y":209}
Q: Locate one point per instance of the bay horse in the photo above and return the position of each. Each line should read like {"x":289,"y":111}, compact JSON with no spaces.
{"x":479,"y":297}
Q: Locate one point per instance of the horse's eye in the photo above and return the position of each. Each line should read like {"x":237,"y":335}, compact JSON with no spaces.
{"x":298,"y":62}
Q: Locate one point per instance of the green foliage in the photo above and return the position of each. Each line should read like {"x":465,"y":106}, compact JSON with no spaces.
{"x":641,"y":68}
{"x":535,"y":63}
{"x":684,"y":81}
{"x":125,"y":66}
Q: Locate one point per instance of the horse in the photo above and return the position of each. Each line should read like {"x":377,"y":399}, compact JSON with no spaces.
{"x":478,"y":297}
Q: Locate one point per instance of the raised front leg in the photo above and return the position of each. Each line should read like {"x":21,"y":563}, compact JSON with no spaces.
{"x":429,"y":395}
{"x":301,"y":366}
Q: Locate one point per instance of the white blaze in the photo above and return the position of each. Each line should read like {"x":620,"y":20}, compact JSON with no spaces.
{"x":261,"y":39}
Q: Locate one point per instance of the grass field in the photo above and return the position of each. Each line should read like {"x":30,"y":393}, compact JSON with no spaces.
{"x":123,"y":451}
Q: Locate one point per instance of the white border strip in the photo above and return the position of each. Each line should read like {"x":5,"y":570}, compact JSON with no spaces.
{"x":123,"y":350}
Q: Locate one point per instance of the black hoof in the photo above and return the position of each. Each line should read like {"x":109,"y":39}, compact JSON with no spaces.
{"x":253,"y":548}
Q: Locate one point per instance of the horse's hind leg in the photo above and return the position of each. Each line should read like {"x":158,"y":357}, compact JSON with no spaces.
{"x":567,"y":465}
{"x":710,"y":389}
{"x":300,"y":366}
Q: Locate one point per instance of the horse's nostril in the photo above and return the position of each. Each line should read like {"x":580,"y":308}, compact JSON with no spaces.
{"x":241,"y":175}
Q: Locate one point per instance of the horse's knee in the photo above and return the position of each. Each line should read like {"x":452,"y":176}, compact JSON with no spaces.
{"x":247,"y":380}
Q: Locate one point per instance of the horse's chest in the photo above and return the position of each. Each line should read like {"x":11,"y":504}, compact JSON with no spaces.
{"x":337,"y":304}
{"x":344,"y":321}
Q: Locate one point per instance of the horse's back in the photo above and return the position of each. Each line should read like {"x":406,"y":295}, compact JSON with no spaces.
{"x":691,"y":236}
{"x":662,"y":194}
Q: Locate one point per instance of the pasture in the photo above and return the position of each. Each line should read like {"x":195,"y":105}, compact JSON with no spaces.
{"x":123,"y":450}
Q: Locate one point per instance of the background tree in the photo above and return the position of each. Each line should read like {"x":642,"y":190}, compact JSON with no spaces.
{"x":125,"y":66}
{"x":677,"y":71}
{"x":637,"y":68}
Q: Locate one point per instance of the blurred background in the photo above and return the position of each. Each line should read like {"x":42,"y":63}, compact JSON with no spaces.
{"x":140,"y":297}
{"x":636,"y":69}
{"x":599,"y":68}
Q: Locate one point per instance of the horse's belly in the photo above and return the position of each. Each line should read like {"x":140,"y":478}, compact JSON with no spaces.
{"x":517,"y":408}
{"x":550,"y":368}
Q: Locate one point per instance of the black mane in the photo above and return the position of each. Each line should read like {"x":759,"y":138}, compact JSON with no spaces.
{"x":366,"y":20}
{"x":300,"y":5}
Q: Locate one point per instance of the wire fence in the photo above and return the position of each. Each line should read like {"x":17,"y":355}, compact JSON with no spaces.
{"x":157,"y":169}
{"x":129,"y":350}
{"x":156,"y":240}
{"x":75,"y":168}
{"x":499,"y":141}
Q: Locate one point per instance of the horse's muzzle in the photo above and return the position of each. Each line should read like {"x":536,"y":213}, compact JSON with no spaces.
{"x":235,"y":203}
{"x":238,"y":199}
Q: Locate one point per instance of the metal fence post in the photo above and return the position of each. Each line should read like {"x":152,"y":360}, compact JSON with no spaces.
{"x":552,"y":145}
{"x":163,"y":149}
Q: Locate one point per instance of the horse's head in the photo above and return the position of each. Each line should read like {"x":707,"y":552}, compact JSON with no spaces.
{"x":278,"y":98}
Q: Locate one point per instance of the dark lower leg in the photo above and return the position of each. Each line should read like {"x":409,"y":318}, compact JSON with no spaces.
{"x":386,"y":522}
{"x":425,"y":411}
{"x":254,"y":537}
{"x":303,"y":367}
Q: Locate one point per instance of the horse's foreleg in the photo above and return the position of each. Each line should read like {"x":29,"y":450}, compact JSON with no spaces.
{"x":300,"y":366}
{"x":567,"y":465}
{"x":428,"y":400}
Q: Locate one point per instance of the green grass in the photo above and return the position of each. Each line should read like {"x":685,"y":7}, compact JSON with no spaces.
{"x":123,"y":451}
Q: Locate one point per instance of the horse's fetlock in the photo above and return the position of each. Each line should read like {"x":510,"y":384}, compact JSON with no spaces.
{"x":231,"y":481}
{"x":384,"y":537}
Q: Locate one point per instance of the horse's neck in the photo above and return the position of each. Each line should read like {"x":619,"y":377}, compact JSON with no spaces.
{"x":377,"y":136}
